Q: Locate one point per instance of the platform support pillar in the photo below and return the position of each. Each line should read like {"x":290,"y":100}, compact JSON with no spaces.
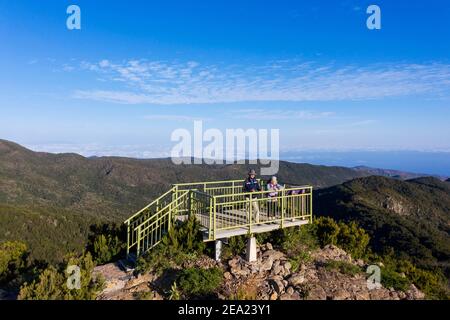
{"x":218,"y":249}
{"x":251,"y":250}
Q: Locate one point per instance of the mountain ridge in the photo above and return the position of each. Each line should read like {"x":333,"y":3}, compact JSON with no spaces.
{"x":411,"y":217}
{"x":44,"y":192}
{"x":44,"y":196}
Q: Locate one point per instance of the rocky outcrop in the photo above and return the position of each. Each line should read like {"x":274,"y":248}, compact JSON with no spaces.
{"x":121,"y":284}
{"x":271,"y":277}
{"x":275,"y":278}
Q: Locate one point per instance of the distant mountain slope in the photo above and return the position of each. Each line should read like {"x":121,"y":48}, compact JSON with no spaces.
{"x":397,"y":174}
{"x":412,"y":217}
{"x":113,"y":186}
{"x":41,"y":194}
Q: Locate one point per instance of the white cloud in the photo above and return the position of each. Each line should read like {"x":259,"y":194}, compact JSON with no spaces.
{"x":171,"y":117}
{"x":158,"y":82}
{"x":277,"y":114}
{"x":142,"y":151}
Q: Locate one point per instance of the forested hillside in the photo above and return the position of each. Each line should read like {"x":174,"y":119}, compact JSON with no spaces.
{"x":51,"y":200}
{"x":409,"y":218}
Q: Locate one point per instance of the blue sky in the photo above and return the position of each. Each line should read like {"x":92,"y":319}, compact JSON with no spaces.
{"x":137,"y":70}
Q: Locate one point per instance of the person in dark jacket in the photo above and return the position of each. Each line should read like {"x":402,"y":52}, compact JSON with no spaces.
{"x":251,"y":184}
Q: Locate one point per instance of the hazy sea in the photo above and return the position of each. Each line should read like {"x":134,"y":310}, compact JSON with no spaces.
{"x":436,"y":163}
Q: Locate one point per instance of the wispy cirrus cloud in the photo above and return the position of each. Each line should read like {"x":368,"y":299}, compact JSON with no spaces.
{"x":159,"y":82}
{"x":173,"y":117}
{"x":278,"y":114}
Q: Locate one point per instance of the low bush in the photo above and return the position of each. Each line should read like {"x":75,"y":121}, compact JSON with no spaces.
{"x":390,"y":278}
{"x":52,"y":282}
{"x":181,"y":244}
{"x":13,"y":259}
{"x":343,"y":267}
{"x":107,"y":243}
{"x":236,"y":246}
{"x":348,"y":236}
{"x":161,"y":258}
{"x":300,"y":239}
{"x":199,"y":282}
{"x":431,"y":282}
{"x":298,"y":259}
{"x":185,"y":237}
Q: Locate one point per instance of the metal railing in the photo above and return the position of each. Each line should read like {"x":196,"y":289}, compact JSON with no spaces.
{"x":250,"y":210}
{"x":218,"y":206}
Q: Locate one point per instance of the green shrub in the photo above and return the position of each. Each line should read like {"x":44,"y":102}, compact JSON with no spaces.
{"x":299,"y":239}
{"x":162,"y":258}
{"x":393,"y":279}
{"x":107,"y":243}
{"x":298,"y":259}
{"x":185,"y":237}
{"x":400,"y":273}
{"x":174,"y":292}
{"x":343,"y":267}
{"x":107,"y":248}
{"x":13,"y":258}
{"x":199,"y":282}
{"x":236,"y":246}
{"x":51,"y":283}
{"x":147,"y":295}
{"x":353,"y":239}
{"x":431,"y":282}
{"x":347,"y":236}
{"x":181,"y":244}
{"x":327,"y":231}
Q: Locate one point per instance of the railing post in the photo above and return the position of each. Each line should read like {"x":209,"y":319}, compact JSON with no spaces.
{"x":169,"y":224}
{"x":176,"y":199}
{"x":215,"y":226}
{"x":189,"y":202}
{"x":128,"y":239}
{"x":210,"y":218}
{"x":138,"y":238}
{"x":250,"y":210}
{"x":283,"y":193}
{"x":311,"y":206}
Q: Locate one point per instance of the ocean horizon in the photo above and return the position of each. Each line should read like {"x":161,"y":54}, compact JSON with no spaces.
{"x":420,"y":162}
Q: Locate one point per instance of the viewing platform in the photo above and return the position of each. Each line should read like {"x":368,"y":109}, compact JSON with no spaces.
{"x":222,"y":209}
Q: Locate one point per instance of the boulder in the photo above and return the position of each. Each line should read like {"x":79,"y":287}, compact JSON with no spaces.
{"x":287,"y":266}
{"x":317,"y":293}
{"x":362,"y":295}
{"x":277,"y":285}
{"x":296,"y":279}
{"x":414,"y":294}
{"x":274,"y":296}
{"x":267,"y":264}
{"x":275,"y":255}
{"x":290,"y":296}
{"x":277,"y":268}
{"x":341,"y":294}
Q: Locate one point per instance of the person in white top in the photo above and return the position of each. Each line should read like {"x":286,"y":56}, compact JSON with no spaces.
{"x":274,"y":187}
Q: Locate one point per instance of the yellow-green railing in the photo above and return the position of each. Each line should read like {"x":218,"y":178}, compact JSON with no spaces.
{"x":151,"y":211}
{"x":219,"y":206}
{"x":250,"y":210}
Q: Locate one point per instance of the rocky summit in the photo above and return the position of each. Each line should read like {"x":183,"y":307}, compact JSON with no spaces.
{"x":271,"y":277}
